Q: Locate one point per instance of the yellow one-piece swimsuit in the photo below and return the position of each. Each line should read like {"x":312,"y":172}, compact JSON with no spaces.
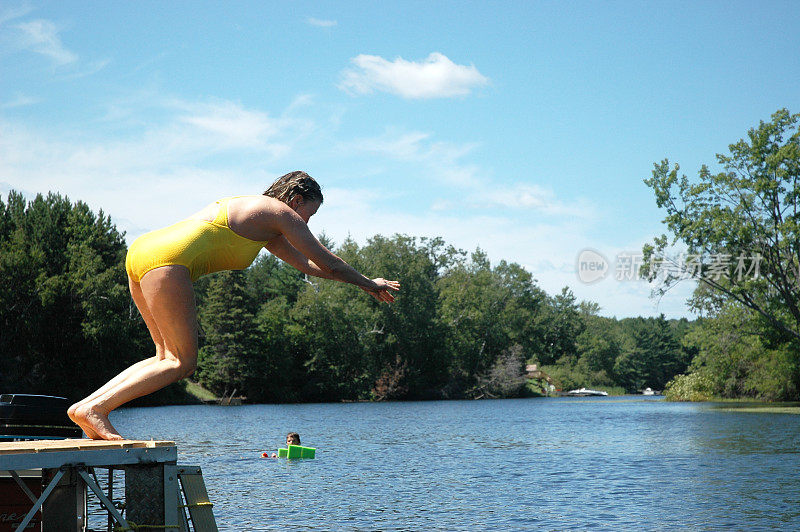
{"x":203,"y":247}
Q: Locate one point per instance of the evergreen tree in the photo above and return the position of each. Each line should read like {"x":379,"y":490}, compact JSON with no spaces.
{"x":231,"y":349}
{"x":67,"y":322}
{"x":651,"y":357}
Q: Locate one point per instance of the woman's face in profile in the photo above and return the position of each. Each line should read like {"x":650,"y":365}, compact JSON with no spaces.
{"x":306,"y":209}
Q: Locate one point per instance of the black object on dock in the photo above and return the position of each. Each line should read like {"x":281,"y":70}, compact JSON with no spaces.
{"x":26,"y":417}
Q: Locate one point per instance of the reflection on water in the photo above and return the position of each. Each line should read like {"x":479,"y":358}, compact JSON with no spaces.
{"x":552,"y":464}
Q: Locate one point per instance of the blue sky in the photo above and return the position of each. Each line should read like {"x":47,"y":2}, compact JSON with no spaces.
{"x":523,"y":128}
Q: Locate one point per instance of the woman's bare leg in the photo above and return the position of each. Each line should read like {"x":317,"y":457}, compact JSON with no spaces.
{"x":169,"y":299}
{"x":106,"y":387}
{"x":141,"y":304}
{"x":113,"y":382}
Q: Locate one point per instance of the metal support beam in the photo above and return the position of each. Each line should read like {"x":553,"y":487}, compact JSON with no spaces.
{"x":110,"y":495}
{"x":36,"y":505}
{"x":170,"y":489}
{"x":102,"y":496}
{"x":23,"y":486}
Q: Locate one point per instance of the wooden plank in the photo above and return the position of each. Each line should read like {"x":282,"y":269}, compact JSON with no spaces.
{"x":41,"y":446}
{"x":97,"y":455}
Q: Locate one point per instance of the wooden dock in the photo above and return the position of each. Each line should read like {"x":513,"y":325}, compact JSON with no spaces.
{"x":153,"y":480}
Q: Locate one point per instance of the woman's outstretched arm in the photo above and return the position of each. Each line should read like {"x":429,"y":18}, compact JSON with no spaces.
{"x":281,"y":248}
{"x":299,"y":247}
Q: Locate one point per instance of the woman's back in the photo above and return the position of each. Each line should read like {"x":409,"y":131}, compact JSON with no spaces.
{"x":203,"y":246}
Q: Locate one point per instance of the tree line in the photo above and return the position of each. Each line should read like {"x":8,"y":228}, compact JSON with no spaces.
{"x":460,"y":328}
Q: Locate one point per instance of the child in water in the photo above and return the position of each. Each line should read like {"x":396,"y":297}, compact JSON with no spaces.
{"x":292,"y":438}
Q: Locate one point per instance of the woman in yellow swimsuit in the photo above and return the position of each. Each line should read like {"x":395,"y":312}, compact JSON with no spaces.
{"x":226,"y":235}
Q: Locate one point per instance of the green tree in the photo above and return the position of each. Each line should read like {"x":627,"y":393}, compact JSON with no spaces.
{"x":598,"y":346}
{"x":559,"y":324}
{"x":67,"y":322}
{"x":651,"y":356}
{"x":332,"y":327}
{"x":745,"y":216}
{"x":278,"y":374}
{"x":733,"y":360}
{"x":231,"y":349}
{"x":525,"y":304}
{"x":487,"y":310}
{"x":410,"y":333}
{"x":471,"y":299}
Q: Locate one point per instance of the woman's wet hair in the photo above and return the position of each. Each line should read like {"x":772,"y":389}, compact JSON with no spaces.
{"x":293,"y":436}
{"x":290,"y":185}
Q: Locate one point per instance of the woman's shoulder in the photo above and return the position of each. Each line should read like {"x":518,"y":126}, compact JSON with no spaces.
{"x":256,"y":217}
{"x":255,"y":202}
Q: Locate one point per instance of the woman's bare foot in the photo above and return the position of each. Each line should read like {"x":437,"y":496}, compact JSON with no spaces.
{"x":95,"y":423}
{"x":89,"y":432}
{"x":71,"y":412}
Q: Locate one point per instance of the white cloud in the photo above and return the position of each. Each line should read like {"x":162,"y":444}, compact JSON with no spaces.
{"x":435,"y":77}
{"x":441,"y":160}
{"x":623,"y":293}
{"x":14,"y":13}
{"x":89,"y":69}
{"x":519,"y":221}
{"x":41,"y":36}
{"x":231,"y":124}
{"x":182,"y":155}
{"x":403,"y":146}
{"x":20,"y":100}
{"x":178,"y":155}
{"x":321,"y":23}
{"x":300,"y":101}
{"x":174,"y":132}
{"x":535,"y":197}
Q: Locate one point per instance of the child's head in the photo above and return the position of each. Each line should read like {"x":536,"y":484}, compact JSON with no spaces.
{"x":293,"y":438}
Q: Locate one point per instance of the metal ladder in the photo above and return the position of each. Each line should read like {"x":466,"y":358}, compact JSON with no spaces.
{"x":196,"y":501}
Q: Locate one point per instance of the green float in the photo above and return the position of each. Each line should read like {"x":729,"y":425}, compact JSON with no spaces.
{"x":297,"y":451}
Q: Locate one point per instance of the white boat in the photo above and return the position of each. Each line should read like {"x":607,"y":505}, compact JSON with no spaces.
{"x":583,"y":392}
{"x":648,"y":391}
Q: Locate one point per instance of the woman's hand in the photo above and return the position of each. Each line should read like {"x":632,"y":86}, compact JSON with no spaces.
{"x":383,"y":291}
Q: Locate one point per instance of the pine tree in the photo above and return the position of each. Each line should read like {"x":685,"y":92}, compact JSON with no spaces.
{"x":66,"y":321}
{"x":231,"y":341}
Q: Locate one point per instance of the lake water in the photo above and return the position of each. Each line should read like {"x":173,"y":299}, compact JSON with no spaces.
{"x":528,"y":464}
